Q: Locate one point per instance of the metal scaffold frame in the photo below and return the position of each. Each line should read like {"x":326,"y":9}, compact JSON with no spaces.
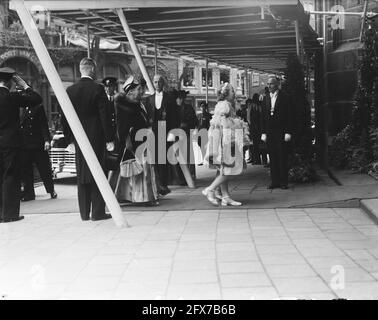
{"x":25,"y":7}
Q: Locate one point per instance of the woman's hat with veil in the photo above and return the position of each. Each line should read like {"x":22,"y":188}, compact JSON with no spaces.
{"x":132,"y":82}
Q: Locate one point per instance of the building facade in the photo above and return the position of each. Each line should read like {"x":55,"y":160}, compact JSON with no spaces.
{"x":67,"y":45}
{"x":342,"y":55}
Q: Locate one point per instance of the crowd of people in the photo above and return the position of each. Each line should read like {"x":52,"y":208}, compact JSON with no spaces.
{"x":136,"y":141}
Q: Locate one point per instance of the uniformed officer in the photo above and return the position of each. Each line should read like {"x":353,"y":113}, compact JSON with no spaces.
{"x":111,"y":159}
{"x":10,"y":141}
{"x":36,"y":143}
{"x":110,"y":85}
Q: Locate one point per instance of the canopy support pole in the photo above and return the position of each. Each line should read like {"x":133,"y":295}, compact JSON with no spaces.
{"x":325,"y":87}
{"x":366,"y":5}
{"x":207,"y":78}
{"x":135,"y":49}
{"x":297,"y":38}
{"x":69,"y":111}
{"x":88,"y":41}
{"x":246,"y":84}
{"x":156,"y":58}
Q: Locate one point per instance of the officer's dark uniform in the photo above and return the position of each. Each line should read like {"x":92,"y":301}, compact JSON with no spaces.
{"x":111,"y":116}
{"x":35,"y":133}
{"x":10,"y":144}
{"x":111,"y":81}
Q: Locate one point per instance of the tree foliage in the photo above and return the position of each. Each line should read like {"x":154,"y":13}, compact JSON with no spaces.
{"x":301,"y":156}
{"x":361,"y":154}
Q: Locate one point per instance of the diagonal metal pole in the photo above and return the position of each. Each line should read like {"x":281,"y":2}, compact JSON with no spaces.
{"x":135,"y":49}
{"x":69,"y":111}
{"x":207,"y":78}
{"x":363,"y":19}
{"x":297,"y":39}
{"x":156,"y":57}
{"x":88,"y":41}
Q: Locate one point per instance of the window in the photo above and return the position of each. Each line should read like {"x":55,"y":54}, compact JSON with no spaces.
{"x":243,"y":84}
{"x":337,"y":38}
{"x":209,"y":77}
{"x":55,"y":107}
{"x":56,"y":114}
{"x":188,"y":77}
{"x":224,"y":76}
{"x":255,"y":79}
{"x":114,"y":70}
{"x":67,"y":73}
{"x":238,"y":81}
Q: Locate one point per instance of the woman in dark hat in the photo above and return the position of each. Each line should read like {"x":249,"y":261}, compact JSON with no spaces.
{"x":258,"y":151}
{"x":131,"y":117}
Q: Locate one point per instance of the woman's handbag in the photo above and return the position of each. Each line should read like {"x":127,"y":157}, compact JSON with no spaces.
{"x":130,"y":167}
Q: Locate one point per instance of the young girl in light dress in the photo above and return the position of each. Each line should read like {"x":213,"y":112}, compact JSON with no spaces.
{"x":227,"y":135}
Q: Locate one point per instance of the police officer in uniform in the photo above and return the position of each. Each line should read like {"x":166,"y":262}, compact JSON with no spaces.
{"x":111,"y":158}
{"x":36,"y":144}
{"x":10,"y":141}
{"x":110,"y":84}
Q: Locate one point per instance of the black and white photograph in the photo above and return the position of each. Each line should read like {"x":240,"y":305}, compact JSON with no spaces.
{"x":188,"y":150}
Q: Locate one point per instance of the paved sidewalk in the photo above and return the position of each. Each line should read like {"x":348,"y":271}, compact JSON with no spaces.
{"x":198,"y":254}
{"x":249,"y":188}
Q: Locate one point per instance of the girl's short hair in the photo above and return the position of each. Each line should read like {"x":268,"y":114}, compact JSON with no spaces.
{"x":224,"y":91}
{"x":222,"y":108}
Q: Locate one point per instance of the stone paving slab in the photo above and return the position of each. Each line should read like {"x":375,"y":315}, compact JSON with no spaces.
{"x":193,"y":254}
{"x":371,"y":207}
{"x":250,"y":188}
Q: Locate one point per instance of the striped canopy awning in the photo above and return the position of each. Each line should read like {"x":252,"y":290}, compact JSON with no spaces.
{"x":252,"y":35}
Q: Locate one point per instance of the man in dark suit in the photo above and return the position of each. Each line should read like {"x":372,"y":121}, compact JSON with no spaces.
{"x":162,"y":110}
{"x":35,"y":146}
{"x":10,"y":141}
{"x":276,"y":131}
{"x":90,"y":102}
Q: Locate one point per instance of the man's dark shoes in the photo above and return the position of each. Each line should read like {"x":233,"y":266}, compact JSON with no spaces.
{"x":17,"y":218}
{"x":104,"y":217}
{"x":284,"y":187}
{"x":27,"y":198}
{"x":53,"y":195}
{"x":6,"y":220}
{"x":273,"y":186}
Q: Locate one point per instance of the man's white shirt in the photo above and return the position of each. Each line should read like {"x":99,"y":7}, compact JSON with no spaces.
{"x":273,"y":99}
{"x":158,"y":99}
{"x":87,"y":77}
